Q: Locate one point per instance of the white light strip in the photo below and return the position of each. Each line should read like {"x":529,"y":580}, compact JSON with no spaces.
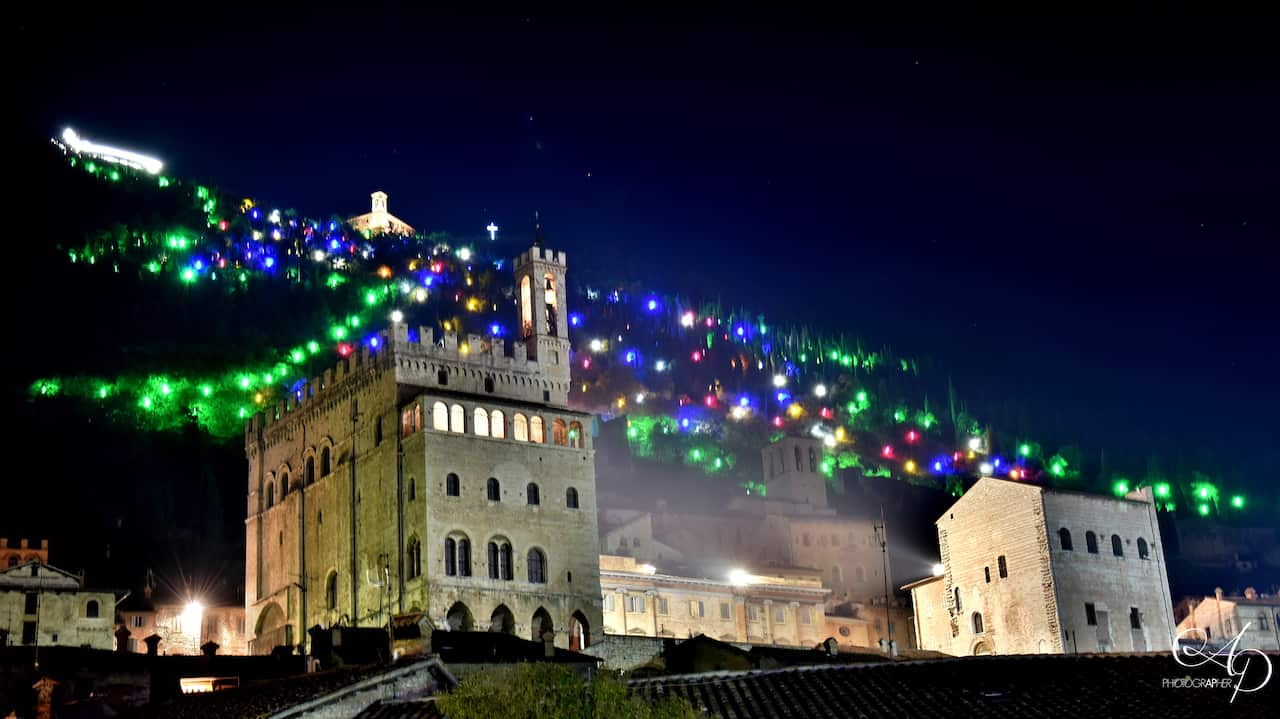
{"x":111,"y":154}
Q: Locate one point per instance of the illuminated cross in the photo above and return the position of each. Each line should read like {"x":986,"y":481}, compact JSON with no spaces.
{"x":493,"y":231}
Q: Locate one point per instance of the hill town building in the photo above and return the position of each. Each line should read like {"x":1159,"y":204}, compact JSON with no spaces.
{"x":12,"y":554}
{"x":1219,"y":619}
{"x":1028,"y":570}
{"x":46,"y":606}
{"x":439,"y":475}
{"x":378,"y":221}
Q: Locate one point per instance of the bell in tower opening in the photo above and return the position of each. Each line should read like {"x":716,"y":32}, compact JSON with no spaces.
{"x":551,"y":305}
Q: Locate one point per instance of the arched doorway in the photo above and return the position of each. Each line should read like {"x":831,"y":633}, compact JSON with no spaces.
{"x":579,"y":632}
{"x":983,"y":648}
{"x":271,"y":630}
{"x":502,"y":620}
{"x":541,"y":624}
{"x":459,"y":618}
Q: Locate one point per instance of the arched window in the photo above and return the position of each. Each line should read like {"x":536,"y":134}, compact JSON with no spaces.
{"x":531,"y":492}
{"x":410,"y":419}
{"x":520,"y":428}
{"x":1117,"y":546}
{"x":535,"y":430}
{"x":1004,"y":568}
{"x":576,"y":439}
{"x":977,"y":623}
{"x":798,"y":466}
{"x":440,"y":417}
{"x":325,"y":467}
{"x":331,"y":591}
{"x":560,"y":432}
{"x":492,"y":557}
{"x":493,"y":490}
{"x":1143,"y":552}
{"x":488,"y":385}
{"x":452,"y":485}
{"x":284,"y":485}
{"x":571,"y":498}
{"x":309,"y":473}
{"x":526,"y":307}
{"x":91,"y":609}
{"x":497,"y":424}
{"x":1091,"y":542}
{"x":413,"y":558}
{"x":537,"y":567}
{"x":1064,"y":538}
{"x":271,"y":494}
{"x":481,"y":422}
{"x":450,"y":557}
{"x":504,"y":555}
{"x":549,"y":287}
{"x":442,"y":378}
{"x":813,"y":460}
{"x":955,"y":591}
{"x":500,"y":560}
{"x":464,"y":557}
{"x":457,"y":419}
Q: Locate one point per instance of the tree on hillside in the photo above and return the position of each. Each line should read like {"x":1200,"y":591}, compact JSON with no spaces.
{"x":555,"y":692}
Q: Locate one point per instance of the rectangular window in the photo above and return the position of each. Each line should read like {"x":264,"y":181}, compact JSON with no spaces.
{"x":138,"y":621}
{"x":754,"y":613}
{"x":1004,"y":568}
{"x":726,"y":612}
{"x":1135,"y":618}
{"x":608,"y":603}
{"x":32,"y":600}
{"x":28,"y":632}
{"x":635,"y":603}
{"x":1090,"y":615}
{"x":806,"y":615}
{"x":411,"y":420}
{"x":662,"y":605}
{"x":779,"y":615}
{"x":696,"y":608}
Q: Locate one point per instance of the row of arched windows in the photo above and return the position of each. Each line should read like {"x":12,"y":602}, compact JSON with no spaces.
{"x":493,"y":491}
{"x":457,"y":559}
{"x":493,"y":423}
{"x":308,"y":477}
{"x":1091,"y":544}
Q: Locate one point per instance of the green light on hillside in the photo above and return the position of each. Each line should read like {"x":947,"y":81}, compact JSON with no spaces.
{"x":1237,"y":501}
{"x":696,"y":455}
{"x":188,"y":275}
{"x":1024,"y":450}
{"x":861,"y":397}
{"x":371,"y":298}
{"x":298,"y":356}
{"x":146,"y":403}
{"x":899,"y":416}
{"x":244,"y":382}
{"x":313,"y":347}
{"x":1120,"y":487}
{"x":1204,"y":510}
{"x":206,"y":390}
{"x":1162,"y":489}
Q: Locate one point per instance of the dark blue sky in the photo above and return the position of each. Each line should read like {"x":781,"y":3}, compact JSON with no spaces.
{"x":1076,"y":215}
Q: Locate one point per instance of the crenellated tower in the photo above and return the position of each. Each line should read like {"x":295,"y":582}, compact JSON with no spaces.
{"x":540,"y":297}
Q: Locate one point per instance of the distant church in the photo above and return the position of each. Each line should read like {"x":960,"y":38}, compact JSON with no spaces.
{"x":444,"y":476}
{"x":378,"y":221}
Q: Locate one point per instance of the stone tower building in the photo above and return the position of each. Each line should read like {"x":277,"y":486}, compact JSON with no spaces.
{"x":442,"y":476}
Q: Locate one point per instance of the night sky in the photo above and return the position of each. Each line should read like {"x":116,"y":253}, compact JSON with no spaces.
{"x":1077,"y":216}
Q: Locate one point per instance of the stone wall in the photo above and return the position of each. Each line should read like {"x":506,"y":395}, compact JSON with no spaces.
{"x":623,"y":652}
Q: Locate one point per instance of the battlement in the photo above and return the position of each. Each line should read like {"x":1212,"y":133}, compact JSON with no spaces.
{"x":23,"y":544}
{"x":538,"y":254}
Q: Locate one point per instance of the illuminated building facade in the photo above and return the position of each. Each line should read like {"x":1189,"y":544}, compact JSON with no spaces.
{"x":46,"y":606}
{"x":446,"y":476}
{"x":377,"y":221}
{"x":1032,"y":570}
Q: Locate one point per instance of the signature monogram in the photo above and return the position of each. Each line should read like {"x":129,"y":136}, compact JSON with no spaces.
{"x":1230,"y":657}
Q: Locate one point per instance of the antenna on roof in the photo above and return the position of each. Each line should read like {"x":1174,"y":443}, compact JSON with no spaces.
{"x":537,"y":229}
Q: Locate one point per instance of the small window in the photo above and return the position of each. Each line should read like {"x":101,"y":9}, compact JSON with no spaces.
{"x":452,"y":486}
{"x":635,"y":603}
{"x":1263,"y":625}
{"x":309,"y":471}
{"x":450,"y":557}
{"x":488,"y":385}
{"x":440,"y":417}
{"x":806,"y":615}
{"x":1117,"y":546}
{"x":661,"y":604}
{"x":442,"y":378}
{"x":457,"y":419}
{"x":531,"y":493}
{"x":726,"y":611}
{"x":413,"y":489}
{"x":560,"y":433}
{"x":91,"y":609}
{"x":571,"y":498}
{"x":609,"y":604}
{"x":1135,"y":618}
{"x":413,"y":558}
{"x":284,"y":485}
{"x":331,"y":591}
{"x":480,"y":422}
{"x":504,"y":560}
{"x":377,"y":431}
{"x":576,"y":440}
{"x":535,"y":430}
{"x":956,"y":595}
{"x":494,"y":562}
{"x":464,"y":557}
{"x":697,"y":608}
{"x":986,"y":574}
{"x":1004,"y":568}
{"x":779,"y":614}
{"x":271,"y":495}
{"x":139,"y":621}
{"x":325,"y":467}
{"x":755,"y":613}
{"x":798,"y":466}
{"x":520,"y":428}
{"x":977,"y":623}
{"x":1090,"y":614}
{"x":1064,"y":538}
{"x":813,"y":460}
{"x":493,"y":490}
{"x":411,"y":419}
{"x":497,"y":424}
{"x":537,"y":565}
{"x":1091,"y":542}
{"x":1143,"y":550}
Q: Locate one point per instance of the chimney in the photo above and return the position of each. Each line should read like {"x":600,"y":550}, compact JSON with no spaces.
{"x":1217,"y":592}
{"x":1250,"y":593}
{"x":153,"y":645}
{"x":209,"y":649}
{"x":122,"y":639}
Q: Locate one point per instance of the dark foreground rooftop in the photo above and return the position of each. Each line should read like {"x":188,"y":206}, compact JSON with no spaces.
{"x":1015,"y":686}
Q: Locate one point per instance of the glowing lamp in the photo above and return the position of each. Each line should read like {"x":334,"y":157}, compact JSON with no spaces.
{"x":1024,"y":450}
{"x":826,"y":413}
{"x":738,"y":412}
{"x":596,"y":345}
{"x":190,"y":619}
{"x":631,"y":355}
{"x":887,"y":450}
{"x":652,"y":305}
{"x":464,"y":254}
{"x":829,"y":440}
{"x":686,"y":319}
{"x":938,"y":570}
{"x":397,"y":316}
{"x":696,"y":356}
{"x":777,"y":421}
{"x":910,"y":466}
{"x":575,"y":319}
{"x":820,"y":390}
{"x":975,"y":443}
{"x":1203,"y":493}
{"x":222,"y":225}
{"x":1162,"y":489}
{"x":318,"y":255}
{"x":1120,"y":487}
{"x":709,"y":400}
{"x":795,"y":410}
{"x":586,"y":363}
{"x":639,"y":397}
{"x":739,"y":577}
{"x":861,"y":397}
{"x":986,"y":468}
{"x":1237,"y":501}
{"x":648,"y":569}
{"x":937,"y":466}
{"x":912,"y":435}
{"x":1204,"y":510}
{"x":779,"y":380}
{"x":660,"y":366}
{"x":684,"y":423}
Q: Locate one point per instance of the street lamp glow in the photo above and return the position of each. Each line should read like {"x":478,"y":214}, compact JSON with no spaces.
{"x":938,"y":569}
{"x":190,"y":619}
{"x":985,"y":468}
{"x":975,"y":443}
{"x":397,"y":316}
{"x":820,"y":390}
{"x":739,"y":577}
{"x":779,"y":380}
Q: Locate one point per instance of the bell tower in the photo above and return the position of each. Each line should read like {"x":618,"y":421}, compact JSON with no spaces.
{"x":540,"y":298}
{"x":793,"y":472}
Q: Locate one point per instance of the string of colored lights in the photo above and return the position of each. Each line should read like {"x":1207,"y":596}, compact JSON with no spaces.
{"x":637,"y":354}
